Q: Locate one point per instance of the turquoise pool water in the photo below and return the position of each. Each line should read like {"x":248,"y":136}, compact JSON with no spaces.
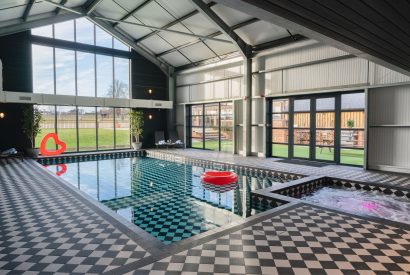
{"x":164,"y":198}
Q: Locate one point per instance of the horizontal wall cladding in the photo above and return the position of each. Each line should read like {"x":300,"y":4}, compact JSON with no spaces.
{"x":389,"y":147}
{"x":304,"y":55}
{"x":340,"y":73}
{"x":381,"y":75}
{"x":389,"y":105}
{"x":209,"y":75}
{"x":217,"y":90}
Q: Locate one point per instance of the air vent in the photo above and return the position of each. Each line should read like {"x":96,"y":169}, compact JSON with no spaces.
{"x":27,"y":98}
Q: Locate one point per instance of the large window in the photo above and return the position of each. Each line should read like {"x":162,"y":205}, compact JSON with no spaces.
{"x":79,"y":71}
{"x":86,"y":128}
{"x":211,"y":126}
{"x":352,"y":129}
{"x":323,"y":127}
{"x":280,"y":131}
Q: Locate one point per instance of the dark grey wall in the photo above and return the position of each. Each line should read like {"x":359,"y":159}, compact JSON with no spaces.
{"x":15,"y":54}
{"x":145,"y":76}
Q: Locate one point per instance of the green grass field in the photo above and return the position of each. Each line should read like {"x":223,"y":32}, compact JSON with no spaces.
{"x":87,"y":139}
{"x":226,"y":145}
{"x":347,"y":156}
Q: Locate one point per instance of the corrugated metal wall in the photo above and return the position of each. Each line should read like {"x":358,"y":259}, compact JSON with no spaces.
{"x":389,"y":128}
{"x":314,"y":68}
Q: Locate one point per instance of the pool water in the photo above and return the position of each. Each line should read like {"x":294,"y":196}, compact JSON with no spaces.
{"x":164,"y":198}
{"x":363,"y":202}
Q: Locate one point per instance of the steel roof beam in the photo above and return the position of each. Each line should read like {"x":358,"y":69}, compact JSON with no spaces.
{"x":35,"y":21}
{"x":128,"y":15}
{"x":58,"y":10}
{"x":162,"y":29}
{"x":170,"y":24}
{"x":206,"y":11}
{"x":278,"y":42}
{"x":91,"y":5}
{"x":237,"y":26}
{"x":27,"y":10}
{"x":130,"y":42}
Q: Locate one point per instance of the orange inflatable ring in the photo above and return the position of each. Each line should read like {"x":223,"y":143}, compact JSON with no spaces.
{"x":219,"y":177}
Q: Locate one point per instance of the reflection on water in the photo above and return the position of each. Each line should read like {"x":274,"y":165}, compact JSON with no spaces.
{"x":164,"y":198}
{"x":363,"y":202}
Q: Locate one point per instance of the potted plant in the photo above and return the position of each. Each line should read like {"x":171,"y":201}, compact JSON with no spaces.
{"x":30,"y":125}
{"x":350,"y":125}
{"x":137,"y":124}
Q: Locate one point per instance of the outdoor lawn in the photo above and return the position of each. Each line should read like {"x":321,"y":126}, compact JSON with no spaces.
{"x":347,"y":156}
{"x":226,"y":145}
{"x":87,"y":138}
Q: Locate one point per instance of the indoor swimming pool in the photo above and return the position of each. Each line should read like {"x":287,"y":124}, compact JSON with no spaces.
{"x":166,"y":199}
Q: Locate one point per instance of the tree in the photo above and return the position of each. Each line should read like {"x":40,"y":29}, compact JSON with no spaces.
{"x":118,"y":90}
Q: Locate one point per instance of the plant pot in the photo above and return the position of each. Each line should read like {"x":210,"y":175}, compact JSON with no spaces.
{"x":137,"y":145}
{"x":33,"y":152}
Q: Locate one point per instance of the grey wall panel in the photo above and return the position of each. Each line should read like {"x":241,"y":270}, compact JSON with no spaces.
{"x":389,"y":138}
{"x":381,"y":75}
{"x":340,"y":73}
{"x":390,"y":106}
{"x":182,"y":94}
{"x":304,"y":55}
{"x":273,"y":83}
{"x":209,"y":75}
{"x":389,"y":147}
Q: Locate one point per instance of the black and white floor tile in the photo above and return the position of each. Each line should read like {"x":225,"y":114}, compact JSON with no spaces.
{"x":46,"y":228}
{"x":302,"y":240}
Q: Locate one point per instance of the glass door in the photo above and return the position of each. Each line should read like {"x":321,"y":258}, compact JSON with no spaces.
{"x":302,"y":128}
{"x":324,"y":129}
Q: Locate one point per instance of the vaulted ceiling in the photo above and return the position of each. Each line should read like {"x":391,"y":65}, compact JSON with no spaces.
{"x":178,"y":33}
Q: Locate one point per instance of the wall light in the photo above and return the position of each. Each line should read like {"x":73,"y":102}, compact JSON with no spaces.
{"x":150,"y":116}
{"x":150,"y":91}
{"x":2,"y":115}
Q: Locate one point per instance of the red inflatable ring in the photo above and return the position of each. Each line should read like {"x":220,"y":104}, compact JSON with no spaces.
{"x":219,"y":177}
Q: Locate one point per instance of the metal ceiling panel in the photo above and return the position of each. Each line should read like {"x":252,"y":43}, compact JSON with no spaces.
{"x":177,"y":39}
{"x":5,"y":4}
{"x":132,"y":30}
{"x":110,"y":9}
{"x":154,"y":15}
{"x":127,"y":4}
{"x":39,"y":8}
{"x":175,"y":59}
{"x":156,"y":44}
{"x":197,"y":52}
{"x":230,"y":16}
{"x":198,"y":24}
{"x":75,"y":3}
{"x":261,"y":32}
{"x":219,"y":47}
{"x":177,"y":8}
{"x":12,"y":13}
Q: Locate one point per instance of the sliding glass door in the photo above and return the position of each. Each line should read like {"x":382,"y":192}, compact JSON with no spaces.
{"x":326,"y":127}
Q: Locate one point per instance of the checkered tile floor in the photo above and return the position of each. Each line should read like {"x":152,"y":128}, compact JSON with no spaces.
{"x":304,"y":240}
{"x":45,"y":227}
{"x":337,"y":171}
